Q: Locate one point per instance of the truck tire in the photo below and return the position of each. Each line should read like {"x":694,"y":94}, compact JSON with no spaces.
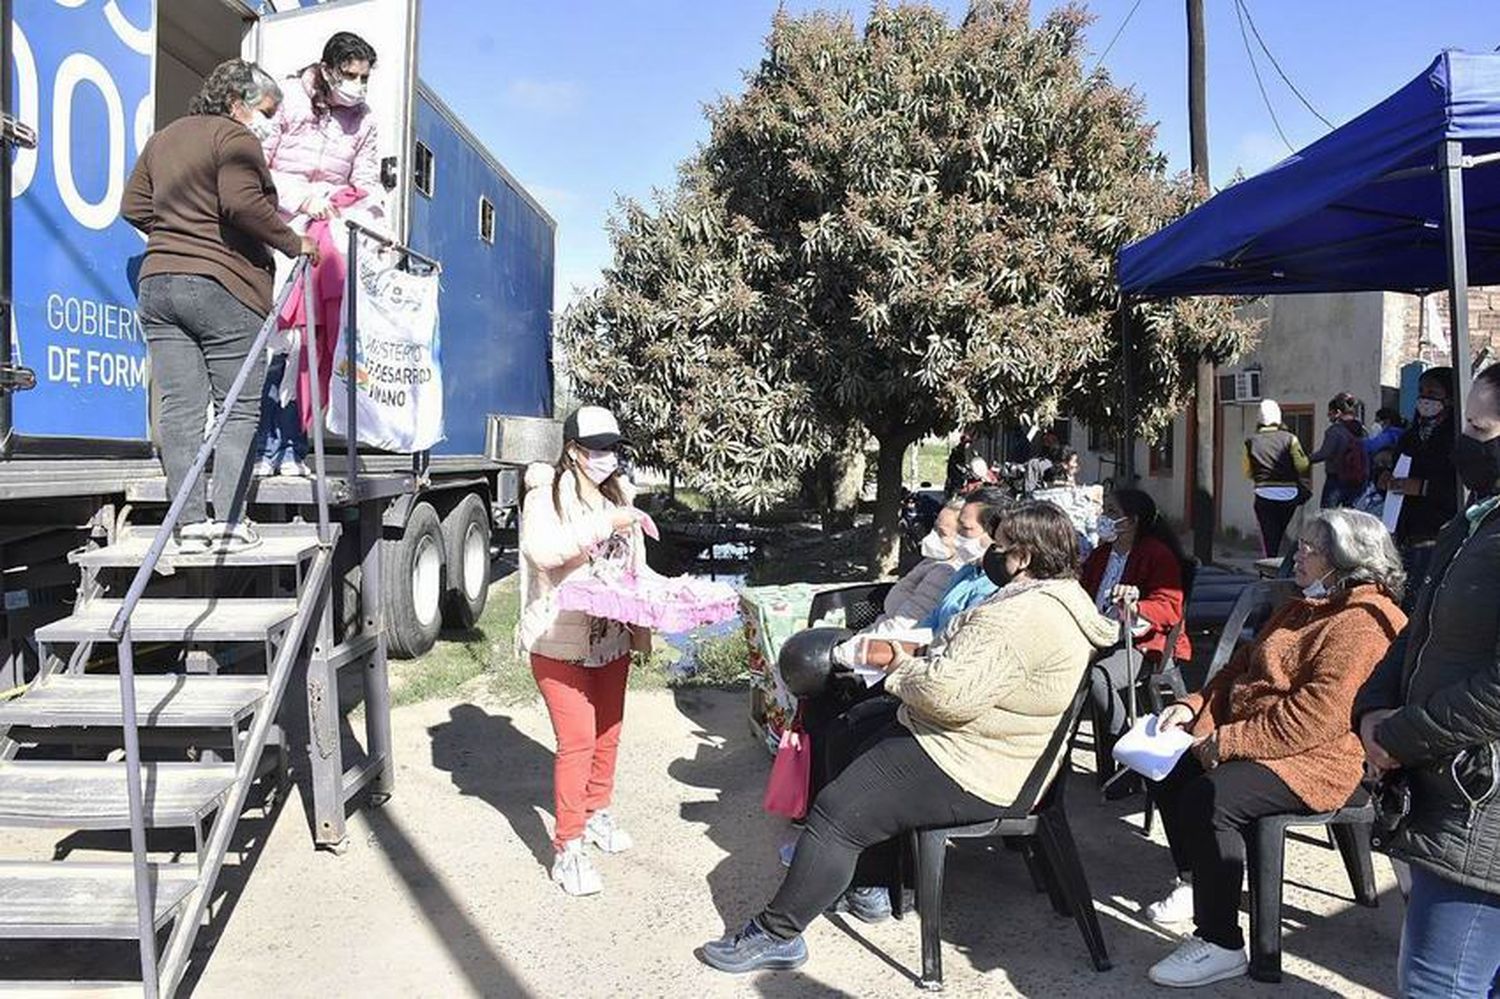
{"x":412,"y":584}
{"x":466,"y":538}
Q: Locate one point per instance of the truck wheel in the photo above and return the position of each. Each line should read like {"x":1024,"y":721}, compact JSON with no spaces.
{"x":412,"y":567}
{"x":466,"y":538}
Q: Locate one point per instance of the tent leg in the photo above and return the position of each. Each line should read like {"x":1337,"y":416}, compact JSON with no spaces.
{"x":1451,"y":159}
{"x":1126,"y":466}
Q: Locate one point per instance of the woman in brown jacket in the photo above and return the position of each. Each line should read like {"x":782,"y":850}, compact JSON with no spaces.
{"x":203,"y":197}
{"x":1272,"y":733}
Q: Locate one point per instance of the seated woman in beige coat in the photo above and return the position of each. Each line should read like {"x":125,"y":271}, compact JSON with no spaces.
{"x":976,"y":714}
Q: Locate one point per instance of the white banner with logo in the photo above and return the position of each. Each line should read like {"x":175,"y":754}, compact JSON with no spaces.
{"x":398,"y":376}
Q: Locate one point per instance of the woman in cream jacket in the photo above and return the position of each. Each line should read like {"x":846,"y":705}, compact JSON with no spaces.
{"x":577,"y":519}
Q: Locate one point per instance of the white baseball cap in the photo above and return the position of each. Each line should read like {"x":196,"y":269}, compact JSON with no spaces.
{"x":594,"y":427}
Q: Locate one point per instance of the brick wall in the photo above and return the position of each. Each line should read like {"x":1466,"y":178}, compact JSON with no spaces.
{"x":1484,"y":326}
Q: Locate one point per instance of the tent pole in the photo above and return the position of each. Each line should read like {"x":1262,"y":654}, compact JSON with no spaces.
{"x":1126,"y":466}
{"x":1451,"y":160}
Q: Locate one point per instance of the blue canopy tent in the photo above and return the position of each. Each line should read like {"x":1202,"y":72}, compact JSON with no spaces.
{"x":1405,"y":197}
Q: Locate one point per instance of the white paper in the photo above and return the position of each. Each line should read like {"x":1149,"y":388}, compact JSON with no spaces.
{"x":869,"y":675}
{"x":1149,"y":752}
{"x":1391,"y":515}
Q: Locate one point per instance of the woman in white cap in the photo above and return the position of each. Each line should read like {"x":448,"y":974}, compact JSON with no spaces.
{"x":1278,"y":466}
{"x":577,"y":518}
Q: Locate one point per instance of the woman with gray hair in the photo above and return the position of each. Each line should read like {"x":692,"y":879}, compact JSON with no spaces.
{"x":1272,"y":734}
{"x":203,"y":196}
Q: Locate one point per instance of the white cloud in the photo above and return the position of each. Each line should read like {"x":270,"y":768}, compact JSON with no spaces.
{"x":543,"y":96}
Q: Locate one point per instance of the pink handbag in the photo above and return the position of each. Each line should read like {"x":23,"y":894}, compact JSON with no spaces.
{"x":791,"y":775}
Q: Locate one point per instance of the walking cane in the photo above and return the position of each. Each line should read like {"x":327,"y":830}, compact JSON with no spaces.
{"x":1132,"y":670}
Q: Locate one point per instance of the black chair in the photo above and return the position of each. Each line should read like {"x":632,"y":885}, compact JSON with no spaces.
{"x":861,"y":603}
{"x":1351,"y":827}
{"x":1037,"y":826}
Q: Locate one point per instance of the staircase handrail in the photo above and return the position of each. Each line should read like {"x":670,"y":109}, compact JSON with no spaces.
{"x":119,"y":628}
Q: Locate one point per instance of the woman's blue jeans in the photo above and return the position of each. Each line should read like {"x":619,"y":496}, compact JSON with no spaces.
{"x":1450,"y":945}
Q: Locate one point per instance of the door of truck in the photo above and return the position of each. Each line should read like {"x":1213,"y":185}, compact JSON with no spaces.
{"x":290,"y":39}
{"x":83,"y":77}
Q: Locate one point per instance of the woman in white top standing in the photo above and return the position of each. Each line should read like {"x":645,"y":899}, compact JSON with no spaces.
{"x":577,"y":518}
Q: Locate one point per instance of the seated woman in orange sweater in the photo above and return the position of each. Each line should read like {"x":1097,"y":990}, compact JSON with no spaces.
{"x":1272,"y":733}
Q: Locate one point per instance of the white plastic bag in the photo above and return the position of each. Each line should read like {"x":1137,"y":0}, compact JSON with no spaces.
{"x":398,"y":374}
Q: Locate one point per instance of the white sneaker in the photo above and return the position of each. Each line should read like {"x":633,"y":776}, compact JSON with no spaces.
{"x":1177,"y":907}
{"x":292,"y":468}
{"x":572,"y":870}
{"x":227,"y":539}
{"x":603,"y":832}
{"x":264,"y":469}
{"x":1197,"y":962}
{"x":195,"y":539}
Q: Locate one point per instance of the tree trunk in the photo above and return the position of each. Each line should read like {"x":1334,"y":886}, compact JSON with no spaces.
{"x":888,"y":503}
{"x":844,"y":479}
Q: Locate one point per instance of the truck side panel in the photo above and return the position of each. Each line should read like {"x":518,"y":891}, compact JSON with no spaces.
{"x":83,"y":78}
{"x":496,"y":301}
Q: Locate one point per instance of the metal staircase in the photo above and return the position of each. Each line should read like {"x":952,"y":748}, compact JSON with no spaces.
{"x":205,"y":704}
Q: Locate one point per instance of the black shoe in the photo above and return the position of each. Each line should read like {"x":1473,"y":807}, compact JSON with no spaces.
{"x":753,"y":949}
{"x":1126,"y":787}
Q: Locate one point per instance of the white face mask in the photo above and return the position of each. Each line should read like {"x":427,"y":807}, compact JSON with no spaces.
{"x":935,"y":548}
{"x":348,"y":93}
{"x":600,"y":465}
{"x":1317,"y":589}
{"x":260,"y":126}
{"x":1428,"y":409}
{"x":1377,"y":428}
{"x":970,"y":550}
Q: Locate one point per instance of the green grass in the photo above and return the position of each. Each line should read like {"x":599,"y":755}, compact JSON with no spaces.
{"x":932,"y":462}
{"x":487,"y":655}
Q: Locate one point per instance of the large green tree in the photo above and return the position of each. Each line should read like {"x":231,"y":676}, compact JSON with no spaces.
{"x":903,"y":230}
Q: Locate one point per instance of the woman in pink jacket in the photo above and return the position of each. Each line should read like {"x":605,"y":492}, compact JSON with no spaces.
{"x":320,"y":143}
{"x":323,"y":137}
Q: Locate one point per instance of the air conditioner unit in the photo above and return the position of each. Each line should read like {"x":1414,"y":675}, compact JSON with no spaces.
{"x":1240,"y":388}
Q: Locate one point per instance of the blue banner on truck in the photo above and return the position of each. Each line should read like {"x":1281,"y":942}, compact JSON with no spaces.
{"x":83,"y":77}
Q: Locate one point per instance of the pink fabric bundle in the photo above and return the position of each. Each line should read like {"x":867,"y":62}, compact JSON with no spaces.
{"x":666,"y":604}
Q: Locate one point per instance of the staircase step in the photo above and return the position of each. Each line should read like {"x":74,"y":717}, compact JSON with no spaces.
{"x":91,"y":795}
{"x":173,"y":701}
{"x":72,"y":990}
{"x":280,"y":544}
{"x":225,"y":619}
{"x":68,"y":900}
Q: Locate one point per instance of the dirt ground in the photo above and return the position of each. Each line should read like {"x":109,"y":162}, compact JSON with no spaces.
{"x":443,"y":891}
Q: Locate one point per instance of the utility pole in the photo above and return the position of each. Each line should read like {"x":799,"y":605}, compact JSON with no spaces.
{"x":1203,"y":394}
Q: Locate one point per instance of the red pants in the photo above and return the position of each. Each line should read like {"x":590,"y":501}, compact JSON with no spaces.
{"x":586,"y":705}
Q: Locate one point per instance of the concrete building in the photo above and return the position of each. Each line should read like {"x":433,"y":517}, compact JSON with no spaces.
{"x":1311,"y":348}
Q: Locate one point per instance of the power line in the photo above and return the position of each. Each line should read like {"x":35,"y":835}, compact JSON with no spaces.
{"x":1245,"y":7}
{"x":1255,"y":68}
{"x":1118,"y":32}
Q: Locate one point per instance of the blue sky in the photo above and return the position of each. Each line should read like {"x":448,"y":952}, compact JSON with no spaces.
{"x":587,"y":100}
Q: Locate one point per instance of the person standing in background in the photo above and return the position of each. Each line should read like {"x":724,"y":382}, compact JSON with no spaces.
{"x":1429,"y":489}
{"x":1275,"y":462}
{"x":203,"y":196}
{"x":1343,"y":452}
{"x":959,"y":461}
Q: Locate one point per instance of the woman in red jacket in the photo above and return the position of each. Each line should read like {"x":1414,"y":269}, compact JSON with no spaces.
{"x":1143,"y":558}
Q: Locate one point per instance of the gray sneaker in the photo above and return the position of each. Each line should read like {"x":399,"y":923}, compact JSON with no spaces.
{"x":603,"y":832}
{"x":574,"y":872}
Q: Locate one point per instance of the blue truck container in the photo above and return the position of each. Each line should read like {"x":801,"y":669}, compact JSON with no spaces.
{"x":95,"y":80}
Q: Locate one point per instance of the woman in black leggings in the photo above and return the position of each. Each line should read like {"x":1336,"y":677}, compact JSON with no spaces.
{"x":975,"y":716}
